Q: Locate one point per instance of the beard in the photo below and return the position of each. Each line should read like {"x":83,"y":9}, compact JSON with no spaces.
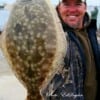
{"x":77,"y":25}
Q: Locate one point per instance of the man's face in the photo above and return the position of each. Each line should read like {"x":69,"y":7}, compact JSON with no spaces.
{"x":72,"y":13}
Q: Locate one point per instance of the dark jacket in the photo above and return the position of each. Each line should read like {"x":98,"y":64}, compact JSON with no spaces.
{"x":68,"y":84}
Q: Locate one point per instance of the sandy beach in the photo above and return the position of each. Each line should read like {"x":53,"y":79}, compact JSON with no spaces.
{"x":10,"y":87}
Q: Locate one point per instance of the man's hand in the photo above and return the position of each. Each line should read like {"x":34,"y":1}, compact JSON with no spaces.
{"x":94,"y":13}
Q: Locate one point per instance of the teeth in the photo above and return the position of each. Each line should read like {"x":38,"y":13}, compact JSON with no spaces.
{"x":72,"y":16}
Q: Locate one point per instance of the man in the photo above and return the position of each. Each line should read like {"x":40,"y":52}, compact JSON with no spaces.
{"x":79,"y":78}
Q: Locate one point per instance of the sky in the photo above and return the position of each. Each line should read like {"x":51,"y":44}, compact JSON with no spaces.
{"x":6,"y":1}
{"x":93,"y":2}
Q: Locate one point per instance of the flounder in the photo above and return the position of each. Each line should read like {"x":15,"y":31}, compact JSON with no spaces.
{"x":34,"y":44}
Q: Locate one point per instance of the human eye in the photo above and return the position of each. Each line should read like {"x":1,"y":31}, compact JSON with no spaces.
{"x":78,"y":4}
{"x":66,"y":4}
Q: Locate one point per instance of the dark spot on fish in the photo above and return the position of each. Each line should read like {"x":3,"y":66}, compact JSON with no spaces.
{"x":18,"y":28}
{"x":29,"y":73}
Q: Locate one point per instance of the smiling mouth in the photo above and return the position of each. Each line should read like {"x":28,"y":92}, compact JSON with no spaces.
{"x":72,"y":16}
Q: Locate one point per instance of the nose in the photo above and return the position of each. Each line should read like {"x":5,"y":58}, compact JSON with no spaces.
{"x":72,"y":9}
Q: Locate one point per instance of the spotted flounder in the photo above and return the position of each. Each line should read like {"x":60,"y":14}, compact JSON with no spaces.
{"x":34,"y":44}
